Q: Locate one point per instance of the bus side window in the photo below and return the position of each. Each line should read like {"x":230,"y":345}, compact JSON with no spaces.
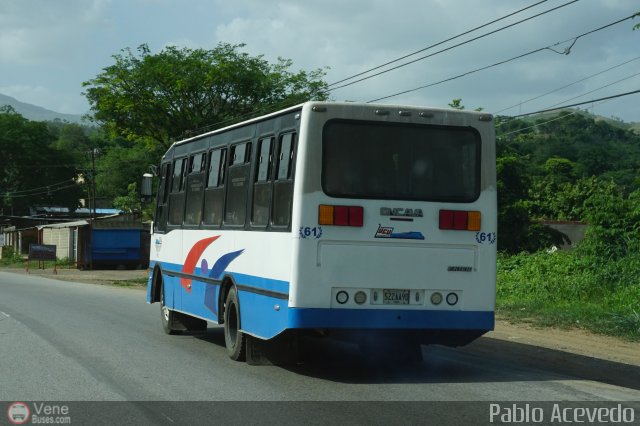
{"x":160,"y":222}
{"x":214,"y":192}
{"x":262,"y":187}
{"x":240,"y":153}
{"x":283,"y":185}
{"x":178,"y":169}
{"x":194,"y":190}
{"x":176,"y":198}
{"x":239,"y":172}
{"x":196,"y":163}
{"x":285,"y":156}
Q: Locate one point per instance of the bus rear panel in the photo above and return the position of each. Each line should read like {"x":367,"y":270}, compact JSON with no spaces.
{"x":397,"y":222}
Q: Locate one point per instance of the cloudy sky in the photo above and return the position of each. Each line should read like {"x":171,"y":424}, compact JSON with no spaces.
{"x":48,"y":48}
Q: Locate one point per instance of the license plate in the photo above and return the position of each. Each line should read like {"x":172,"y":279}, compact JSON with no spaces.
{"x":395,"y":297}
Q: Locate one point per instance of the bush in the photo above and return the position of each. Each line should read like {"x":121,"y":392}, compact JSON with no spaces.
{"x":10,"y":256}
{"x":571,"y":288}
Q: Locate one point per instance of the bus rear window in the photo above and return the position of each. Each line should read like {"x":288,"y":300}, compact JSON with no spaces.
{"x":400,"y":161}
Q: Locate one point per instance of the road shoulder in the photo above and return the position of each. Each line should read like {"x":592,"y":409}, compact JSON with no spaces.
{"x":575,"y":341}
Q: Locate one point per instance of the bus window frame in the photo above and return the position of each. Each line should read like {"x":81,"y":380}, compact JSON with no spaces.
{"x":161,"y":221}
{"x":268,"y":182}
{"x":290,"y":180}
{"x":175,"y":194}
{"x":232,"y":166}
{"x":190,"y":176}
{"x":221,"y":187}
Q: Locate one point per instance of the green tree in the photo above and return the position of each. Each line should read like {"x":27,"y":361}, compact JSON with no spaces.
{"x":162,"y":96}
{"x":33,"y":172}
{"x":456,"y":104}
{"x":516,"y":231}
{"x":566,"y":200}
{"x":121,"y":165}
{"x":614,"y":224}
{"x":73,"y":139}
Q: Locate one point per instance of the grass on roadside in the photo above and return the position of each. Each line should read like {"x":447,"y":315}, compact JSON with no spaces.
{"x":569,"y":289}
{"x":134,"y":282}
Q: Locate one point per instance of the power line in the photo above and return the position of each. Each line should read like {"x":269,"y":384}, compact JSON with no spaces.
{"x":435,"y":44}
{"x":53,"y":185}
{"x":541,"y":123}
{"x":582,"y":94}
{"x":454,"y":46}
{"x":38,"y":193}
{"x":574,"y":39}
{"x":576,"y":104}
{"x":599,"y":88}
{"x":537,"y":124}
{"x":567,"y":85}
{"x":567,"y":100}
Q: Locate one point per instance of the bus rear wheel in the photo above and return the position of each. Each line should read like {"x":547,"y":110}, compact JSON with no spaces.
{"x":234,"y":339}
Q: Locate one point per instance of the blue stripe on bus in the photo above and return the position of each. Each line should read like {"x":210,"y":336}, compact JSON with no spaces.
{"x":265,"y":316}
{"x":261,"y":283}
{"x":390,"y":319}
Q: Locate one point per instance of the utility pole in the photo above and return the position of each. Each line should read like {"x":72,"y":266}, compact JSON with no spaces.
{"x":94,"y":152}
{"x":92,"y":203}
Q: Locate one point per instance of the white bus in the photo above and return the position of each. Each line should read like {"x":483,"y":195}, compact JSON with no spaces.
{"x":376,"y":220}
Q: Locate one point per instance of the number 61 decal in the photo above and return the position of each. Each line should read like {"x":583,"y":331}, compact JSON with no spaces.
{"x":486,"y":237}
{"x":310,"y":232}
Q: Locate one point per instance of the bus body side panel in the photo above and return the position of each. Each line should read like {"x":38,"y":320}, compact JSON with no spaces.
{"x":166,"y":251}
{"x":258,"y":263}
{"x":262,"y":274}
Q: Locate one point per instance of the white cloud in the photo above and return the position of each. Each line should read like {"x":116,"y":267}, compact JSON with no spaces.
{"x":68,"y":42}
{"x":354,"y":36}
{"x":40,"y":31}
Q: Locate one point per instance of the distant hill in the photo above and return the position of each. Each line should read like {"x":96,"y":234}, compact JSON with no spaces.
{"x":36,"y":113}
{"x":635,"y":126}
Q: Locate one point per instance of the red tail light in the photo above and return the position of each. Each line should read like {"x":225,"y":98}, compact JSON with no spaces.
{"x":340,"y":215}
{"x":356,"y":216}
{"x":459,"y":220}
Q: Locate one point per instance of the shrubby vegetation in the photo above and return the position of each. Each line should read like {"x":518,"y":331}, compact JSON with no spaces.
{"x":574,"y":169}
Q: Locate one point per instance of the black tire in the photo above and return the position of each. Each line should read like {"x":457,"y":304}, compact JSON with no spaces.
{"x":167,"y":316}
{"x":234,"y":339}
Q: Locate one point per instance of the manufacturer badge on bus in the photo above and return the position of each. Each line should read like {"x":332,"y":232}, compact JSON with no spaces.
{"x":388,"y":211}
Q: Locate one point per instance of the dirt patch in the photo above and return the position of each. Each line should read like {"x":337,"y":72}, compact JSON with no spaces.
{"x":574,"y":341}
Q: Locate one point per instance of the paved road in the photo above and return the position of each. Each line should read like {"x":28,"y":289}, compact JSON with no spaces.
{"x":79,"y":342}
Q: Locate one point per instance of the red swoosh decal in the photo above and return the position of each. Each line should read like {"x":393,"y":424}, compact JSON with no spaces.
{"x":192,"y":259}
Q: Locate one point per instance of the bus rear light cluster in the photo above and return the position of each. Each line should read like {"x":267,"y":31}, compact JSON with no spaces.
{"x":460,"y":220}
{"x":340,"y":215}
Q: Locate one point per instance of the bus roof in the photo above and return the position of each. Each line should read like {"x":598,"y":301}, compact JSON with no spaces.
{"x":481,"y":115}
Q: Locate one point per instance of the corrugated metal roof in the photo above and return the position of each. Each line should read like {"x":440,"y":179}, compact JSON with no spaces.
{"x":65,"y":224}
